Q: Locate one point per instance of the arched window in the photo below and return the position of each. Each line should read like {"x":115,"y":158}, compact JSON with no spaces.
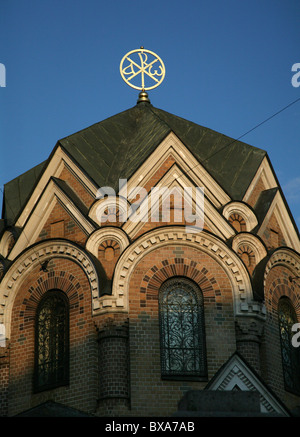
{"x":52,"y":341}
{"x":290,"y":354}
{"x":182,"y":335}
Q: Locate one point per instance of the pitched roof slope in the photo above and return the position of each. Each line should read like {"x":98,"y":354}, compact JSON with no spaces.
{"x":17,"y":192}
{"x":114,"y":149}
{"x":117,"y":146}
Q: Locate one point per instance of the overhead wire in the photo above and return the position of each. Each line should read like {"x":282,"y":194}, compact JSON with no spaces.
{"x":210,"y":156}
{"x":243,"y":135}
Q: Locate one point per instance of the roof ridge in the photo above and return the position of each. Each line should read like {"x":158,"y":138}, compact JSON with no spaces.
{"x":142,"y":108}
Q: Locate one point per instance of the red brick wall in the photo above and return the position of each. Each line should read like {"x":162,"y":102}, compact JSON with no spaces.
{"x":273,"y":236}
{"x":79,"y":188}
{"x":146,"y":383}
{"x":71,"y":230}
{"x":277,"y":285}
{"x":4,"y":380}
{"x":99,"y":345}
{"x":259,"y":187}
{"x":108,"y":254}
{"x":82,"y":391}
{"x":167,"y":164}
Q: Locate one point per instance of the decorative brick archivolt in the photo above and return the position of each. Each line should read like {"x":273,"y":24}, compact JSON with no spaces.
{"x":283,"y":257}
{"x":34,"y":256}
{"x":254,"y":244}
{"x":242,"y":210}
{"x":279,"y":288}
{"x":167,"y":268}
{"x":111,"y":209}
{"x":105,"y":234}
{"x":281,"y":285}
{"x":177,"y":235}
{"x":51,"y":280}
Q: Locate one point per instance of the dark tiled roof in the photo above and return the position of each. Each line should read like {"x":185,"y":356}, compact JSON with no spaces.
{"x":115,"y":148}
{"x":17,"y":192}
{"x":263,"y":203}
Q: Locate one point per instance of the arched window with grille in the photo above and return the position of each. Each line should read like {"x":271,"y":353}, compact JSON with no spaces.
{"x":52,"y":341}
{"x":290,"y":355}
{"x":182,"y":330}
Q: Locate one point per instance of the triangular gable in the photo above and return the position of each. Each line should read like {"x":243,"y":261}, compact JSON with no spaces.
{"x":264,"y":179}
{"x":58,"y":161}
{"x":230,"y":162}
{"x":171,"y":146}
{"x":55,"y":191}
{"x":236,"y":374}
{"x":279,"y":211}
{"x":176,"y":180}
{"x":116,"y":147}
{"x":271,"y":201}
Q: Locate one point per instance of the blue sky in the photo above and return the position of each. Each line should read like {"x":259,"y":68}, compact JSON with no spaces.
{"x":228,"y":67}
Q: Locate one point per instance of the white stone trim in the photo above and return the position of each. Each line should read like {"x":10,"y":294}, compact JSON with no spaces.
{"x":176,"y":235}
{"x":106,"y":233}
{"x":34,"y":256}
{"x":283,"y":218}
{"x":4,"y":243}
{"x":54,"y":168}
{"x":283,"y":257}
{"x":253,"y":242}
{"x":171,"y":145}
{"x":244,"y":211}
{"x":98,"y":207}
{"x":173,"y":179}
{"x":266,"y":174}
{"x":40,"y":214}
{"x":237,"y":373}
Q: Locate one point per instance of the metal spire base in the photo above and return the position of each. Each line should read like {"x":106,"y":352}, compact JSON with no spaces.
{"x":143,"y":97}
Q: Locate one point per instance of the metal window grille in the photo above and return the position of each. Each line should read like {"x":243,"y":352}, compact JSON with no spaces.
{"x":290,"y":355}
{"x":182,"y":332}
{"x":52,"y":341}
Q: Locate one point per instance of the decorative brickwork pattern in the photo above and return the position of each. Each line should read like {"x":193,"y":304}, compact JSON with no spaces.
{"x":71,"y":230}
{"x":111,"y":274}
{"x":70,"y":279}
{"x":108,"y":254}
{"x":259,"y":187}
{"x":237,"y":222}
{"x":273,"y":236}
{"x":277,"y":286}
{"x":4,"y":380}
{"x":84,"y":195}
{"x":159,"y":265}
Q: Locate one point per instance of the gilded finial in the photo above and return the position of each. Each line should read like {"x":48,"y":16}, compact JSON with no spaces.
{"x":139,"y":64}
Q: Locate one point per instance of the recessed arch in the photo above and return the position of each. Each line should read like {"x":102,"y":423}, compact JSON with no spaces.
{"x":253,"y":242}
{"x":36,"y":255}
{"x":104,"y":234}
{"x":177,"y":235}
{"x":242,"y":210}
{"x":286,"y":257}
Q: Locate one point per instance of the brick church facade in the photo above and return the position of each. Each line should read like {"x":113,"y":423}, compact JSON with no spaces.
{"x":107,"y":317}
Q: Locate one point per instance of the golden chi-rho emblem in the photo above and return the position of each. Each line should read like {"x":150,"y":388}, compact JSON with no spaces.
{"x":142,"y":69}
